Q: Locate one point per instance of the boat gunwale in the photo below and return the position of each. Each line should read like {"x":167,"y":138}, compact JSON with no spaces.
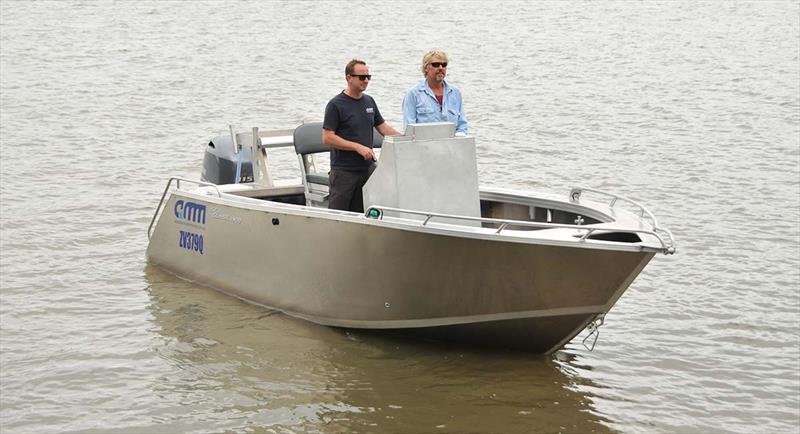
{"x":219,"y":195}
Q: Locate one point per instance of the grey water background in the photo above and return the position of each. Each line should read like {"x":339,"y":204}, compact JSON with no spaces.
{"x":692,"y":108}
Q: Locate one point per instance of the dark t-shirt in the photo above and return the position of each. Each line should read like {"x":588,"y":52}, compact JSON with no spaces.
{"x":351,"y":119}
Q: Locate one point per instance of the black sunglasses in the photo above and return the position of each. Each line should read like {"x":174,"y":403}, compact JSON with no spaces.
{"x":362,"y":77}
{"x":438,"y":64}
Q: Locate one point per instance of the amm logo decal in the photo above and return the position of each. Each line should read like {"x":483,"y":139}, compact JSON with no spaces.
{"x":190,"y":211}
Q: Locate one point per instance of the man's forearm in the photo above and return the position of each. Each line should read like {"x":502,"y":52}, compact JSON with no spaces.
{"x":329,"y":138}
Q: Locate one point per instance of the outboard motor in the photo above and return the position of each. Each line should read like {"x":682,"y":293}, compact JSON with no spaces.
{"x":221,"y":163}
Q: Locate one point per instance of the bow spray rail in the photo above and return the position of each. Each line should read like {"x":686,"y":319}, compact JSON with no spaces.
{"x":177,"y":186}
{"x":377,"y":212}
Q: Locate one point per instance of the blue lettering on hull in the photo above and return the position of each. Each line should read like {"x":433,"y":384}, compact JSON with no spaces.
{"x":191,"y":241}
{"x":190,"y":211}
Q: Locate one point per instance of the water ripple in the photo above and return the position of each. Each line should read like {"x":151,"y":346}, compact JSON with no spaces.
{"x":691,"y":108}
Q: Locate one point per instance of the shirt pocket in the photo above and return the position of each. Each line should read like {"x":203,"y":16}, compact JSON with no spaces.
{"x":424,"y":110}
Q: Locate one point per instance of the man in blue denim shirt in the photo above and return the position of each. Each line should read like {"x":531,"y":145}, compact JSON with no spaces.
{"x":433,"y":99}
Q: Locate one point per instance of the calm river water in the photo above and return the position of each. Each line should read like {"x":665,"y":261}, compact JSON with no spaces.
{"x":692,"y":108}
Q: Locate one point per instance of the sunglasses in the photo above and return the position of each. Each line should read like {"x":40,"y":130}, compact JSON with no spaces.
{"x":438,"y":64}
{"x":362,"y":77}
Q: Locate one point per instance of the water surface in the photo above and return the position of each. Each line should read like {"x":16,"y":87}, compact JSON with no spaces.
{"x":692,"y":108}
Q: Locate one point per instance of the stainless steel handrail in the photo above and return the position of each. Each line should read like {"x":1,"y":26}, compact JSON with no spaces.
{"x":575,"y":194}
{"x":177,"y":180}
{"x":504,"y":223}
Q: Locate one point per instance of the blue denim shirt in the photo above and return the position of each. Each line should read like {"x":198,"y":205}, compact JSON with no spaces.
{"x":420,"y":106}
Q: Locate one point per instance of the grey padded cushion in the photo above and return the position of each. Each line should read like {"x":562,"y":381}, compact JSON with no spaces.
{"x":308,"y":139}
{"x":377,"y":139}
{"x":317,"y":178}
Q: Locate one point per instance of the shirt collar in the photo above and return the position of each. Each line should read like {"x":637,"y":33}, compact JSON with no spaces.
{"x":427,"y":89}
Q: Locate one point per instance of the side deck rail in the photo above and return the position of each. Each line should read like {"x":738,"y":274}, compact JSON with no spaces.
{"x":377,"y":212}
{"x":177,"y":187}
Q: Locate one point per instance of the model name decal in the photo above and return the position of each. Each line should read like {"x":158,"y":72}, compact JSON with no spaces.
{"x":191,"y":241}
{"x":217,"y":214}
{"x":190,"y":211}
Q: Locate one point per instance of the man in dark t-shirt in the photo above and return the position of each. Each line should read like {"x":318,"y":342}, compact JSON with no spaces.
{"x":347,"y":129}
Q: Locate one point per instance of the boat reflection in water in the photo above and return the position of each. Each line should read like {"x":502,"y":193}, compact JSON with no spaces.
{"x":434,"y":255}
{"x":238,"y":366}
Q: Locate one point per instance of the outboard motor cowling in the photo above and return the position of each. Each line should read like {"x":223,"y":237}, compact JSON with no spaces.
{"x":221,"y":162}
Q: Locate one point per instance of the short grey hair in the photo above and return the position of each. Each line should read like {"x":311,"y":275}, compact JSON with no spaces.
{"x":426,"y":59}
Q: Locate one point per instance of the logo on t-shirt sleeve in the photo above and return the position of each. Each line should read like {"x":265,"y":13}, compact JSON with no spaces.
{"x":370,"y":110}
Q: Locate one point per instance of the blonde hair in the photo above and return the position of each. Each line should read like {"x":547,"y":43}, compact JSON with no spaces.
{"x":426,"y":59}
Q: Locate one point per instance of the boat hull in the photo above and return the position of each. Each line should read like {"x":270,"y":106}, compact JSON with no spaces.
{"x":347,"y":271}
{"x":541,"y":335}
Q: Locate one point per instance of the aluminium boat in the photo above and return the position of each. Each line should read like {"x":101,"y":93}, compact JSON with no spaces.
{"x":433,"y":254}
